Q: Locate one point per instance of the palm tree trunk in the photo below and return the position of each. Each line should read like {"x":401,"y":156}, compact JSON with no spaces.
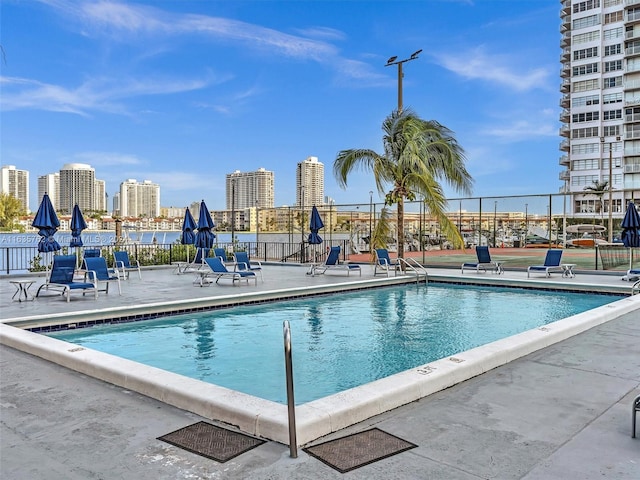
{"x":401,"y":228}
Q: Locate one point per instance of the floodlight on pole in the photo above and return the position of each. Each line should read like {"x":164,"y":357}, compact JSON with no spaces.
{"x":394,"y":61}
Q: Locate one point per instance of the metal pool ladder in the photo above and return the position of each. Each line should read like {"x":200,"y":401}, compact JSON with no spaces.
{"x":417,"y":268}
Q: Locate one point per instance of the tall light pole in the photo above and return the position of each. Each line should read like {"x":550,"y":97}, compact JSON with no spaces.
{"x":495,"y":210}
{"x":233,"y":209}
{"x":302,"y":224}
{"x":395,"y":61}
{"x":370,"y":218}
{"x":610,"y":239}
{"x":526,"y":223}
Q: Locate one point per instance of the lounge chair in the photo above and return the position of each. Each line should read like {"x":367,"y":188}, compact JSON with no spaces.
{"x":218,"y":271}
{"x":220,"y":252}
{"x":198,"y":262}
{"x":97,"y":271}
{"x":91,"y":253}
{"x":60,"y":278}
{"x":333,"y":263}
{"x":484,"y":261}
{"x":385,"y":264}
{"x":243,"y":264}
{"x":124,"y":265}
{"x":551,"y":263}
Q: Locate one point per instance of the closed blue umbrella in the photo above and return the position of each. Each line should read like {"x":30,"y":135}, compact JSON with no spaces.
{"x":47,"y":223}
{"x":188,"y":228}
{"x":204,"y":236}
{"x":77,"y":226}
{"x":631,"y":230}
{"x":315,"y":225}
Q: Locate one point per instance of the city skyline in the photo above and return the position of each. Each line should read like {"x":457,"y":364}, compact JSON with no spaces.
{"x":182,"y":93}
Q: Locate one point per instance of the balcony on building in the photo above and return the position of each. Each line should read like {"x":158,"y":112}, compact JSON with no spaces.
{"x":565,"y":101}
{"x":564,"y":145}
{"x":565,"y":87}
{"x":565,"y":131}
{"x":565,"y":115}
{"x":565,"y":71}
{"x":565,"y":7}
{"x":564,"y":160}
{"x":564,"y":175}
{"x":565,"y":41}
{"x":565,"y":55}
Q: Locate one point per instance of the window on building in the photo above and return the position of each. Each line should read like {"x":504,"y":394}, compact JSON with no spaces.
{"x":611,"y":82}
{"x":582,"y":148}
{"x":612,"y":33}
{"x":585,"y":69}
{"x":586,"y":164}
{"x":612,"y":3}
{"x":612,"y":114}
{"x":585,"y":117}
{"x":612,"y":98}
{"x":633,"y":14}
{"x":585,"y":53}
{"x":586,"y":100}
{"x":584,"y":132}
{"x":584,"y":180}
{"x":613,"y":17}
{"x":586,"y":85}
{"x":613,"y":65}
{"x":611,"y":131}
{"x":612,"y":49}
{"x":584,"y":22}
{"x":584,"y":6}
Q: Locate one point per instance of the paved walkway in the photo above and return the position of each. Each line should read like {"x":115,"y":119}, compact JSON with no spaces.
{"x":563,"y":412}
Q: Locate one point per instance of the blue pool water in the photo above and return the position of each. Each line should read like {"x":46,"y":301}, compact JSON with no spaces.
{"x":338,"y":341}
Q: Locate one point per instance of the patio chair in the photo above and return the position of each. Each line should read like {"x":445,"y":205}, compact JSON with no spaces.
{"x":220,"y":252}
{"x":333,"y":263}
{"x":243,"y":264}
{"x":124,"y":265}
{"x":551,"y":263}
{"x":96,"y":269}
{"x":384,"y":263}
{"x":635,"y":408}
{"x":484,"y":261}
{"x":61,"y":278}
{"x":198,"y":261}
{"x":218,"y":271}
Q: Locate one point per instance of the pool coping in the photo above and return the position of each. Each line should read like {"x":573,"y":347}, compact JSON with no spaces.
{"x":320,"y":417}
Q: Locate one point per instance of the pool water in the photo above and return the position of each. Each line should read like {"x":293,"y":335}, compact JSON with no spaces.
{"x":339,"y":341}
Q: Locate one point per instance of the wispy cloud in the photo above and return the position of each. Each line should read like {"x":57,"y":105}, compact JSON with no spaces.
{"x":99,"y":94}
{"x":107,"y":159}
{"x":477,"y":64}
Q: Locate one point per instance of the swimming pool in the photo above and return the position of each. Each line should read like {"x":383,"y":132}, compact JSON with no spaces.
{"x":339,"y":341}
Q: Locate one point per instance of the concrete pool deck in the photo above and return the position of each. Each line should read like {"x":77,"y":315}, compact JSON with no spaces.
{"x":542,"y":416}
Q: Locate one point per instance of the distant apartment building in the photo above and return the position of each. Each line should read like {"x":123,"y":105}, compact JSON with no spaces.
{"x":310,"y":183}
{"x":115,"y":203}
{"x":101,"y":196}
{"x":172,"y":212}
{"x":50,"y":184}
{"x":600,"y":71}
{"x":139,"y":199}
{"x":250,"y":189}
{"x":77,"y":186}
{"x":16,"y":183}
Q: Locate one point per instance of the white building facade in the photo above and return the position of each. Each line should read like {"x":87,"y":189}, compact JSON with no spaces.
{"x":139,"y":199}
{"x":15,"y":182}
{"x":600,"y":71}
{"x":50,"y":184}
{"x":250,"y":189}
{"x":310,"y":183}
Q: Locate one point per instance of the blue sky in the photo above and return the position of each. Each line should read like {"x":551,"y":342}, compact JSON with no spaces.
{"x":183,"y":92}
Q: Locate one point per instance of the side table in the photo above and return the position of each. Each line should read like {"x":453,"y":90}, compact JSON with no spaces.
{"x":22,"y":290}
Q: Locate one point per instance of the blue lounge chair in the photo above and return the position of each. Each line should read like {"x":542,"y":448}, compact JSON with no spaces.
{"x":218,"y":271}
{"x":484,"y":261}
{"x":60,"y":278}
{"x":551,"y":263}
{"x":220,"y":252}
{"x":124,"y":265}
{"x":91,"y":253}
{"x":97,"y":271}
{"x":243,"y":264}
{"x":384,"y":263}
{"x":333,"y":263}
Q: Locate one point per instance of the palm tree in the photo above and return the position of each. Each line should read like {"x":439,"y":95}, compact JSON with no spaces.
{"x":598,"y":189}
{"x":417,"y":154}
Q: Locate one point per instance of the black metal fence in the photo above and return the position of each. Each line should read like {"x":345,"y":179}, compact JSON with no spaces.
{"x":16,"y":260}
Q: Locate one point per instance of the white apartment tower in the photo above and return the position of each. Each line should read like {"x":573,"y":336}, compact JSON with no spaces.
{"x":77,"y":185}
{"x":139,"y":199}
{"x":16,"y":183}
{"x":101,"y":196}
{"x":250,"y":189}
{"x":600,"y":58}
{"x":50,"y":184}
{"x":310,"y":183}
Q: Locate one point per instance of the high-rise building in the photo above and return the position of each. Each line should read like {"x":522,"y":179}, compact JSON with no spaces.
{"x":16,"y":183}
{"x":250,"y":189}
{"x":139,"y":199}
{"x":600,"y":102}
{"x":50,"y":184}
{"x":310,"y":183}
{"x":77,"y":186}
{"x":101,"y":196}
